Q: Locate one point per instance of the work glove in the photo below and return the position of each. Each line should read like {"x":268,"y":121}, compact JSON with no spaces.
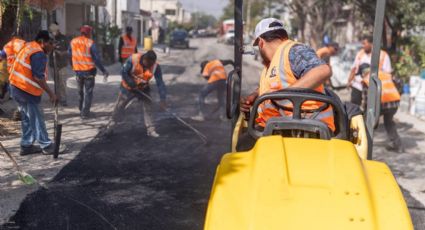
{"x":105,"y":76}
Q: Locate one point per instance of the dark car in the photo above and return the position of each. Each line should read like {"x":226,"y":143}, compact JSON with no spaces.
{"x":179,"y":38}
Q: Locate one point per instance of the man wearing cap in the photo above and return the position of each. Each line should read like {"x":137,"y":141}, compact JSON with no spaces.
{"x":61,"y":59}
{"x":390,"y":101}
{"x":127,"y":45}
{"x":28,"y":82}
{"x":287,"y":64}
{"x":84,"y":62}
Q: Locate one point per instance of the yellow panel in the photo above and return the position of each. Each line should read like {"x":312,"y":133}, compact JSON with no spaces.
{"x":294,"y":183}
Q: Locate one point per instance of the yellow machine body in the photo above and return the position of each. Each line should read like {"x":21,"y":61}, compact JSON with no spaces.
{"x":297,"y":184}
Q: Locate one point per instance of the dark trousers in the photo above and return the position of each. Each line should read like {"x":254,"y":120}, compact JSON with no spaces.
{"x":390,"y":127}
{"x":356,"y":96}
{"x":218,"y":86}
{"x":85,"y":92}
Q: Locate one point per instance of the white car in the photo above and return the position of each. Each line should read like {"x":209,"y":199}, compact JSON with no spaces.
{"x":229,"y":37}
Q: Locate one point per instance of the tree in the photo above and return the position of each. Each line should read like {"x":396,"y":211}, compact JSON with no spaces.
{"x":201,"y":20}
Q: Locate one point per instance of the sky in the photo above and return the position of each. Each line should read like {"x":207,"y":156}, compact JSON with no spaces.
{"x":214,"y":7}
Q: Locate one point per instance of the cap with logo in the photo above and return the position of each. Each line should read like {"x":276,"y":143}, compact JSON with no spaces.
{"x":267,"y":25}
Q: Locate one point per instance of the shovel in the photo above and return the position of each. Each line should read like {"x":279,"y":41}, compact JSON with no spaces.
{"x":57,"y":126}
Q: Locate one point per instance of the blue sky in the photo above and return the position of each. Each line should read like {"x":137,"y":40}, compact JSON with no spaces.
{"x":213,"y":7}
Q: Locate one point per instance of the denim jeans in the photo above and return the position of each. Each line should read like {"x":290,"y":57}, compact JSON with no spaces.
{"x":218,"y":86}
{"x":33,"y":125}
{"x":85,"y":91}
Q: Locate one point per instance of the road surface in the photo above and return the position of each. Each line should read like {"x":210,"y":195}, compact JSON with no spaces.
{"x":127,"y":180}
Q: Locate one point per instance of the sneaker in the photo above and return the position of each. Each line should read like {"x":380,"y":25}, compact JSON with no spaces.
{"x":51,"y":148}
{"x":198,"y":117}
{"x":27,"y":150}
{"x":152,"y":133}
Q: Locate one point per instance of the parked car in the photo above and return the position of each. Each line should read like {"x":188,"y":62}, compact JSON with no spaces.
{"x":229,"y":37}
{"x":341,"y":64}
{"x":179,"y":38}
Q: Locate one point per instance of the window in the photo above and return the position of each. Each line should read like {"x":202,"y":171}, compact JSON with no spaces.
{"x":170,"y":12}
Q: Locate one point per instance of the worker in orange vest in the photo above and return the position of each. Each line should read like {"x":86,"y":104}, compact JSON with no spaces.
{"x":390,"y":101}
{"x":27,"y":84}
{"x":216,"y":75}
{"x":287,"y":64}
{"x":137,"y":72}
{"x":365,"y":56}
{"x":9,"y":52}
{"x":84,"y":59}
{"x":328,"y":51}
{"x":127,"y":45}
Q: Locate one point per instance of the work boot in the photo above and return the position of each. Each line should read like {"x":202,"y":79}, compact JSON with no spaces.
{"x":152,"y":133}
{"x":51,"y":148}
{"x":32,"y":149}
{"x":395,"y":148}
{"x":16,"y":116}
{"x":199,"y":117}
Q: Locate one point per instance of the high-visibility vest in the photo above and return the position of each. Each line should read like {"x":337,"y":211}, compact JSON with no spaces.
{"x":81,"y":56}
{"x":389,"y":91}
{"x":382,"y":57}
{"x":128,"y":47}
{"x":11,"y":49}
{"x":139,"y":74}
{"x":21,"y":75}
{"x":274,"y":79}
{"x":215,"y":70}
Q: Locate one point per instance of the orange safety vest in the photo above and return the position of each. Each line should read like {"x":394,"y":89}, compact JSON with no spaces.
{"x":215,"y":70}
{"x":382,"y":57}
{"x":11,"y":49}
{"x":128,"y":47}
{"x":21,"y":75}
{"x":274,"y":79}
{"x":81,"y":56}
{"x":138,"y":73}
{"x":389,"y":91}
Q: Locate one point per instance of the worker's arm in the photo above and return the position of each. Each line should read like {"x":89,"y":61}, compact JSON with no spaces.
{"x":70,"y":55}
{"x":160,"y":84}
{"x":246,"y":102}
{"x":96,"y":59}
{"x":126,"y":74}
{"x":308,"y":68}
{"x":38,"y":67}
{"x":120,"y":45}
{"x":351,"y":76}
{"x":314,"y":77}
{"x":227,"y":62}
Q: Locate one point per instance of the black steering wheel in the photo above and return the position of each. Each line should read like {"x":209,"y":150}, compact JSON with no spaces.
{"x":297,"y":97}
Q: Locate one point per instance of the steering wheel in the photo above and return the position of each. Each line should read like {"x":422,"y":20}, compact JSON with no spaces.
{"x":297,"y":97}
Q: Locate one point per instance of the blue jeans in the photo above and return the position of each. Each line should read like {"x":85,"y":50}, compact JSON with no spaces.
{"x":33,"y":125}
{"x":85,"y":85}
{"x":218,"y":86}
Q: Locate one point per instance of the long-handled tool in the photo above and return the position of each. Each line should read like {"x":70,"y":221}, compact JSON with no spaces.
{"x":198,"y":133}
{"x":57,"y":125}
{"x":23,"y":176}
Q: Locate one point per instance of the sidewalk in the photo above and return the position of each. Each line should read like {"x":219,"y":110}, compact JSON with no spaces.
{"x":76,"y":134}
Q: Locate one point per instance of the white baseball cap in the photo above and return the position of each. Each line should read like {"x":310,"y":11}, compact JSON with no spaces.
{"x":264,"y":26}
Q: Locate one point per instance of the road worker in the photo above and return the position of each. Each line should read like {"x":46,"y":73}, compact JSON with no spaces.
{"x":62,"y":60}
{"x":326,"y":52}
{"x":287,"y":64}
{"x":137,"y":72}
{"x":127,"y":45}
{"x":84,"y":59}
{"x":27,"y":84}
{"x":390,"y":101}
{"x":9,"y":52}
{"x":216,"y":75}
{"x":365,"y":56}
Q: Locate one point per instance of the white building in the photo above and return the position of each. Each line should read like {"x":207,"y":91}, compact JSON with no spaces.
{"x":172,"y":9}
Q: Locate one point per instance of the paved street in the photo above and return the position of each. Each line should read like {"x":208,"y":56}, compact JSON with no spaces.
{"x":127,"y":180}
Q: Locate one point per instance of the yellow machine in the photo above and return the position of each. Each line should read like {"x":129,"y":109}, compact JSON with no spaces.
{"x":300,"y":175}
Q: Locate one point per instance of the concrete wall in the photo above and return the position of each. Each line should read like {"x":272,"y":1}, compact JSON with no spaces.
{"x":161,"y":6}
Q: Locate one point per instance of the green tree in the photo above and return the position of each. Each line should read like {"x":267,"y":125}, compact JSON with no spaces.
{"x":201,"y":20}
